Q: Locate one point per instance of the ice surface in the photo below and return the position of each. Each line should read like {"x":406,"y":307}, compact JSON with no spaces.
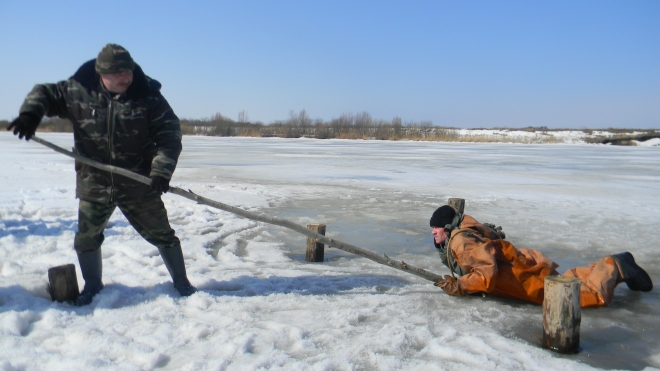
{"x":261,"y":306}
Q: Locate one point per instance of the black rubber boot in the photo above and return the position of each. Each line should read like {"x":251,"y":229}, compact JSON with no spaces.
{"x":632,"y":274}
{"x":91,"y":267}
{"x":173,"y":258}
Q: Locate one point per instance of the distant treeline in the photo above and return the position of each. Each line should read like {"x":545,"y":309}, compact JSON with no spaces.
{"x":347,"y":126}
{"x":359,"y":126}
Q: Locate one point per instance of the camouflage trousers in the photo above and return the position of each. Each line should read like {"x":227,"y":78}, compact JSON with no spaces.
{"x":148,"y":217}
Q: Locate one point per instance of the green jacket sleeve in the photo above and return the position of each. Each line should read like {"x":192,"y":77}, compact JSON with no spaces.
{"x":165,"y":131}
{"x":47,"y":100}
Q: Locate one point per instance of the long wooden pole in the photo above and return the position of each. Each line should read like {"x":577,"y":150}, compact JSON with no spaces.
{"x":381,"y":259}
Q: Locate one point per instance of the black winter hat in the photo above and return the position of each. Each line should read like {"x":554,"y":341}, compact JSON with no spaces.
{"x":114,"y":58}
{"x":442,"y":216}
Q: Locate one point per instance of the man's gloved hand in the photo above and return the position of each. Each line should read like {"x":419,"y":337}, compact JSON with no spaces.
{"x":159,"y":184}
{"x":450,"y":286}
{"x":25,"y":125}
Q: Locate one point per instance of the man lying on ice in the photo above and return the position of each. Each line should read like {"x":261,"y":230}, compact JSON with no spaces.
{"x":485,"y":262}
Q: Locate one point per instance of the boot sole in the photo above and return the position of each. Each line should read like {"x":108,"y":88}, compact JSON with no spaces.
{"x":638,"y":279}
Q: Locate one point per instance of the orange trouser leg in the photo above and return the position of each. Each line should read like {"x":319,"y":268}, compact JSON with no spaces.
{"x":598,"y":282}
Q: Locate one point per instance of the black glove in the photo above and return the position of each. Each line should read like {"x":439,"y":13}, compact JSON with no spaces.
{"x":159,"y":184}
{"x":25,"y":125}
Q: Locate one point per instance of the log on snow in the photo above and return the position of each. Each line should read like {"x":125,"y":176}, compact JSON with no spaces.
{"x":458,"y":204}
{"x":62,"y":283}
{"x":315,"y":250}
{"x":561,"y":314}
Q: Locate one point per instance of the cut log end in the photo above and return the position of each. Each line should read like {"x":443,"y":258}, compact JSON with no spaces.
{"x":562,"y":314}
{"x":458,"y":204}
{"x":315,"y":250}
{"x":62,"y":283}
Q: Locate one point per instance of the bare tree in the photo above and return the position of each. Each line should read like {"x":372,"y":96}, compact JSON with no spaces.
{"x":219,"y":118}
{"x":363,"y":120}
{"x":301,"y":119}
{"x":243,"y":116}
{"x":304,"y":119}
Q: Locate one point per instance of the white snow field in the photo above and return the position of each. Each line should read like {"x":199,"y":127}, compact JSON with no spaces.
{"x":262,"y":307}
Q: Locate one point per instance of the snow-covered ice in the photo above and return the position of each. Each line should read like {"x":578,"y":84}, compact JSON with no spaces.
{"x":262,"y":307}
{"x":653,"y":142}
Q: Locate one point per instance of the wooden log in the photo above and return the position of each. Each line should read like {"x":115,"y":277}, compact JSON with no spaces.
{"x":458,"y":204}
{"x":62,"y":283}
{"x":315,"y":249}
{"x":561,"y":314}
{"x":381,"y":259}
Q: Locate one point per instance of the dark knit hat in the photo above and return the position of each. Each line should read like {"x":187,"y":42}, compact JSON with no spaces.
{"x":114,"y":58}
{"x":442,"y":216}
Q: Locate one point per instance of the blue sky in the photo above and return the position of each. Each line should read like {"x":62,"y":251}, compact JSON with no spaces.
{"x":561,"y":64}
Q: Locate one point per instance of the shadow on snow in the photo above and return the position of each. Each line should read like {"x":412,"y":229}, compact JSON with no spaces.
{"x":113,"y":296}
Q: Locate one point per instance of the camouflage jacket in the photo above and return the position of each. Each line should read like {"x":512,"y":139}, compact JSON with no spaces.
{"x":136,"y":130}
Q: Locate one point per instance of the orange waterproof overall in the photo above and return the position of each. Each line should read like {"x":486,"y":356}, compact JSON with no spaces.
{"x":495,"y":266}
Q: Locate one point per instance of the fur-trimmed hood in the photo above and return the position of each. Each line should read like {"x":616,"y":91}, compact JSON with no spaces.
{"x":141,"y":86}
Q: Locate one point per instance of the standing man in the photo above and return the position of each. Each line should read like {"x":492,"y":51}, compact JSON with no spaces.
{"x":485,"y":262}
{"x":119,"y":118}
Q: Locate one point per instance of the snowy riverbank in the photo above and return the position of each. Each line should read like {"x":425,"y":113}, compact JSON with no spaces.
{"x":261,"y":307}
{"x":555,"y":136}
